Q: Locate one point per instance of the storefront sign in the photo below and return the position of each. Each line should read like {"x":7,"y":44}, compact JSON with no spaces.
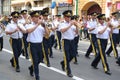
{"x":63,"y":4}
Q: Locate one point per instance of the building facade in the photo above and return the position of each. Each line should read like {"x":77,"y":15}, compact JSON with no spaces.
{"x":80,"y":7}
{"x":30,"y":4}
{"x":5,"y":7}
{"x":61,"y":5}
{"x":100,"y":6}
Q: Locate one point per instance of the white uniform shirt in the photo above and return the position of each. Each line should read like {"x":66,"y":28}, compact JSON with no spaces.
{"x":70,"y":33}
{"x":11,"y":27}
{"x":52,"y":26}
{"x":115,"y":23}
{"x":104,"y":35}
{"x":21,"y":21}
{"x":37,"y":35}
{"x":92,"y":24}
{"x":57,"y":24}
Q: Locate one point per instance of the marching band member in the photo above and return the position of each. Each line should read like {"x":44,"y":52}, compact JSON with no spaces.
{"x":2,"y":28}
{"x":67,"y":29}
{"x":36,"y":31}
{"x":52,"y":29}
{"x":24,"y":21}
{"x":76,"y":36}
{"x":16,"y":35}
{"x":103,"y":32}
{"x":91,"y":25}
{"x":57,"y":42}
{"x":46,"y":38}
{"x":114,"y":37}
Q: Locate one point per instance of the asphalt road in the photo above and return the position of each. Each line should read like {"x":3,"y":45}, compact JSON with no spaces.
{"x":82,"y":71}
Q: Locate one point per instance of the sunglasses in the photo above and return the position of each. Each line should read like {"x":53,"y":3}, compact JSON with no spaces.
{"x":15,"y":17}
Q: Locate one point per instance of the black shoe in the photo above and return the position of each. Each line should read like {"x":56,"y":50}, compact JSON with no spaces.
{"x":118,"y":63}
{"x":31,"y":71}
{"x":51,"y":57}
{"x":0,"y":49}
{"x":87,"y":57}
{"x":94,"y":67}
{"x":76,"y":63}
{"x":77,"y":55}
{"x":37,"y":78}
{"x":55,"y":47}
{"x":12,"y":63}
{"x":108,"y":55}
{"x":27,"y":57}
{"x":116,"y":57}
{"x":62,"y":65}
{"x":70,"y":75}
{"x":42,"y":61}
{"x":17,"y":69}
{"x":48,"y":65}
{"x":108,"y":72}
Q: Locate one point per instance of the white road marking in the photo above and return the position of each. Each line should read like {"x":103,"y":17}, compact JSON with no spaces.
{"x":51,"y":68}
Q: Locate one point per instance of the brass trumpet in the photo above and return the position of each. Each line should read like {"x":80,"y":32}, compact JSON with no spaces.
{"x":2,"y":19}
{"x":118,"y":27}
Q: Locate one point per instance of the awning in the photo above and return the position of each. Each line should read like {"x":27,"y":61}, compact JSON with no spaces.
{"x":18,"y":2}
{"x":37,"y":8}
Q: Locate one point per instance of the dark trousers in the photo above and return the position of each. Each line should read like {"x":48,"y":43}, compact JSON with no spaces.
{"x":58,"y":40}
{"x":102,"y":44}
{"x":69,"y":49}
{"x":25,"y":44}
{"x":119,"y":37}
{"x":76,"y":39}
{"x":85,"y":31}
{"x":114,"y":41}
{"x":93,"y":45}
{"x":1,"y":43}
{"x":51,"y":42}
{"x":16,"y":47}
{"x":45,"y":50}
{"x":36,"y":53}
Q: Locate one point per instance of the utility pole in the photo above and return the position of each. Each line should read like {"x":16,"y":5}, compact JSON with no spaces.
{"x":0,"y":6}
{"x":76,"y":7}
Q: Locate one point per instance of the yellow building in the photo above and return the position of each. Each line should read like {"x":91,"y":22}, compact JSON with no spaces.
{"x":88,"y":6}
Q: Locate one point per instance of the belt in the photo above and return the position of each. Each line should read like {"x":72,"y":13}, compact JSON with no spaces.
{"x":16,"y":39}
